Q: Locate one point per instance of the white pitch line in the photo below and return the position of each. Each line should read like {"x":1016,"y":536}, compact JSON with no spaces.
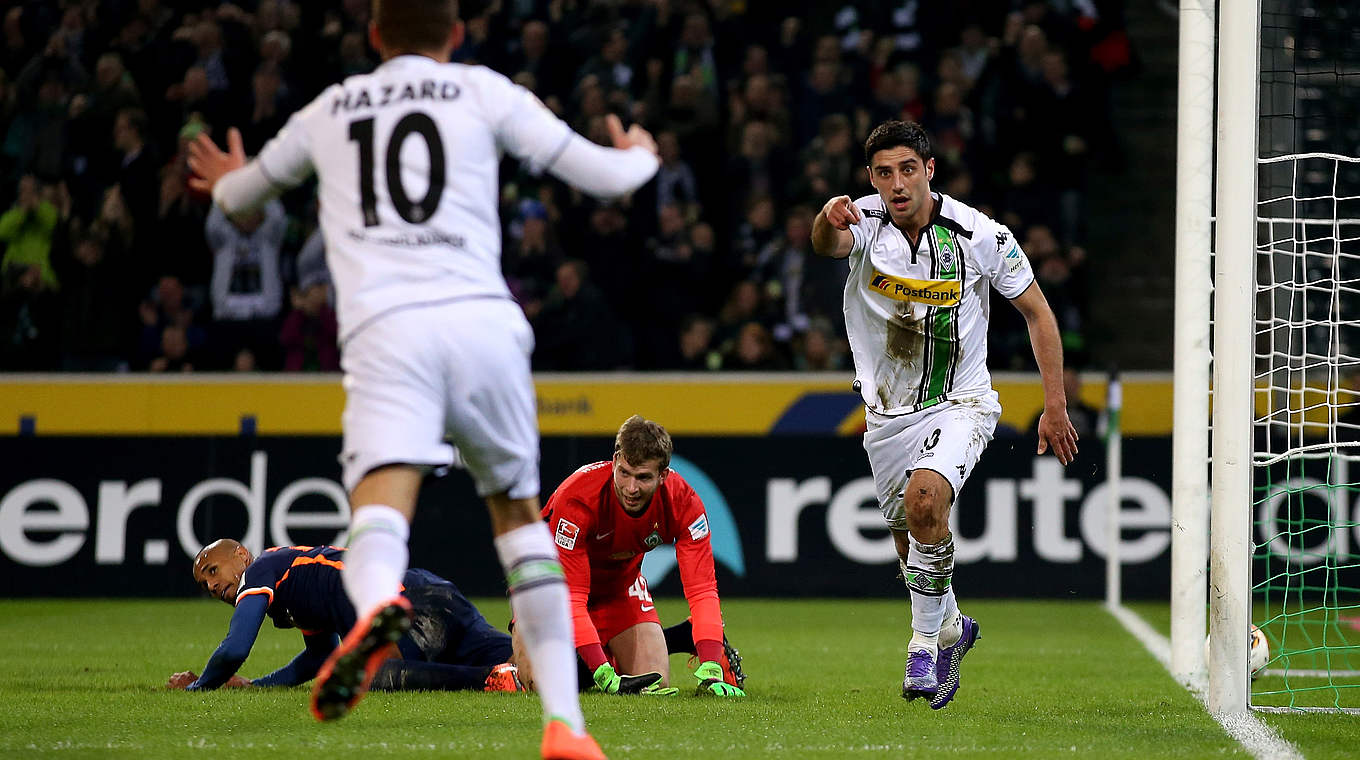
{"x":1256,"y":738}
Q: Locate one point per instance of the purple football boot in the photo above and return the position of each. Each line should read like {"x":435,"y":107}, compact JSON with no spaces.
{"x":947,"y":667}
{"x":920,"y":680}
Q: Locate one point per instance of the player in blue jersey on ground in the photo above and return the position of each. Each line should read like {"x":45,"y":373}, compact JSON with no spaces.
{"x":450,"y":646}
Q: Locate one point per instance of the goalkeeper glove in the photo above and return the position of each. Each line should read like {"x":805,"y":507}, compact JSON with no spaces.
{"x":614,"y":683}
{"x":711,"y":681}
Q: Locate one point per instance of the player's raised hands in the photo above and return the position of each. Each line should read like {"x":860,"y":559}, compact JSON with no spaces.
{"x":209,"y":163}
{"x":1056,"y":432}
{"x":635,"y":136}
{"x":842,"y":212}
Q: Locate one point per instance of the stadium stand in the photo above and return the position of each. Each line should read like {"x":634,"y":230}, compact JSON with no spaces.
{"x":110,"y":263}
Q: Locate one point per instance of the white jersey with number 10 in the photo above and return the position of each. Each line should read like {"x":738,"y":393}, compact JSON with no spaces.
{"x":407,"y":158}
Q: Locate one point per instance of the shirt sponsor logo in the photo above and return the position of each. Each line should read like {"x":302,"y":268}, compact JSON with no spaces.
{"x":1014,"y":259}
{"x":934,"y":292}
{"x":567,"y":531}
{"x":699,"y":528}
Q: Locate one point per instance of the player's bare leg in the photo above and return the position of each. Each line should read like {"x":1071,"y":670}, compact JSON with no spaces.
{"x":642,"y":649}
{"x":926,"y":555}
{"x":538,"y":598}
{"x":384,"y":501}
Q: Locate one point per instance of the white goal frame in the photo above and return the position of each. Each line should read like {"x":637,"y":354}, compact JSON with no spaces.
{"x":1215,"y":211}
{"x":1217,"y":222}
{"x":1239,"y":43}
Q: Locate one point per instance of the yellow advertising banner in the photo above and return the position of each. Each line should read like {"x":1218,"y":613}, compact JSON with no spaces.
{"x":568,"y":404}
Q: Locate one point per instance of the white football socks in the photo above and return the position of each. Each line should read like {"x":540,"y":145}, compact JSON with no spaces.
{"x":538,"y":598}
{"x":929,"y":567}
{"x":952,"y":630}
{"x":377,"y":556}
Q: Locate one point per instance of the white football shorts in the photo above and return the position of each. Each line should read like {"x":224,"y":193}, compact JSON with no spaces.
{"x":948,"y":438}
{"x":460,"y":370}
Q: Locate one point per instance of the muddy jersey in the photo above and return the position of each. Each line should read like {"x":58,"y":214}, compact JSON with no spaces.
{"x":917,"y":316}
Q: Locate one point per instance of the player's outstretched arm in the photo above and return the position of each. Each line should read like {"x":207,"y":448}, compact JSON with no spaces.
{"x":236,"y":185}
{"x":305,"y":665}
{"x":606,"y":173}
{"x":210,"y":163}
{"x":1055,"y":429}
{"x":831,"y":229}
{"x":235,"y":648}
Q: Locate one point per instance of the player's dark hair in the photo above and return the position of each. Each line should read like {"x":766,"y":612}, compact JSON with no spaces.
{"x":412,"y":26}
{"x":641,"y":440}
{"x":896,"y":134}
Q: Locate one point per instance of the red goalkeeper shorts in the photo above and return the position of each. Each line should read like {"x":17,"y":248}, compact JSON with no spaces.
{"x":617,"y":613}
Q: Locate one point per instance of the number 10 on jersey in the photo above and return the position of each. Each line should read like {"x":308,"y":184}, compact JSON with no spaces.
{"x":415,"y":212}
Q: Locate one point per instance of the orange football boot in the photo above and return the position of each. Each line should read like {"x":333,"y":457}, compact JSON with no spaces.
{"x":504,"y":677}
{"x":345,"y":676}
{"x":561,"y":743}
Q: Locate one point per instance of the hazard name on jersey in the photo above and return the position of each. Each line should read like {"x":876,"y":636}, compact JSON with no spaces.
{"x":426,"y":89}
{"x":934,"y":292}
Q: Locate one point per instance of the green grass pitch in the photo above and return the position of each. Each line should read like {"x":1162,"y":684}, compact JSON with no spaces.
{"x":83,"y":679}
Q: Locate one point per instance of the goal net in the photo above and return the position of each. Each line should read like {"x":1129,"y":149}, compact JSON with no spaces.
{"x":1305,"y":537}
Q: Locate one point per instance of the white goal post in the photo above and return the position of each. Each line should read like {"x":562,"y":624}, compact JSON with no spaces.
{"x":1239,"y":25}
{"x":1190,"y":393}
{"x":1232,"y":40}
{"x":1267,"y":328}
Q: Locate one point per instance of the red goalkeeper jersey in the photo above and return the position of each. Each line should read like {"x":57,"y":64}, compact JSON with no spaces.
{"x":601,"y":545}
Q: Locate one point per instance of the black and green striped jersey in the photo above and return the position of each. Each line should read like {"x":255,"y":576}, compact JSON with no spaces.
{"x":917,"y":319}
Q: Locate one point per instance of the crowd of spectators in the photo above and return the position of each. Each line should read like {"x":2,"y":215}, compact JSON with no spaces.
{"x":760,"y":110}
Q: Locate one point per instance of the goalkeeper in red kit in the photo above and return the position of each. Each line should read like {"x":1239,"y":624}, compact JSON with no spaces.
{"x":604,"y":518}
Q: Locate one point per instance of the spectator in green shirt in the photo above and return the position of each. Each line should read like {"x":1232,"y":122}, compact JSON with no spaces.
{"x":27,"y":231}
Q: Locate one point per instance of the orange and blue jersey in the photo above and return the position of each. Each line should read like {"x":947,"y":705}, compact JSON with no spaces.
{"x":300,"y":587}
{"x":303,"y":588}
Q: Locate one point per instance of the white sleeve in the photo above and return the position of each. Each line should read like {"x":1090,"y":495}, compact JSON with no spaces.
{"x":863,"y":230}
{"x":1007,"y":267}
{"x":860,"y":232}
{"x":527,"y":130}
{"x":284,"y":163}
{"x":603,"y":172}
{"x":245,"y":189}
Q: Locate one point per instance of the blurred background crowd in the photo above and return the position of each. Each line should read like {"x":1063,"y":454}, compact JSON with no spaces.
{"x":760,"y":110}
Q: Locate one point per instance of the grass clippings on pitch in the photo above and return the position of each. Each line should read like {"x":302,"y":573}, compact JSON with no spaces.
{"x":84,"y":679}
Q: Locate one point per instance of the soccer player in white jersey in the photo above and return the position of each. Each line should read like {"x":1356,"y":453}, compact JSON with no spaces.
{"x":916,"y":306}
{"x":432,"y":343}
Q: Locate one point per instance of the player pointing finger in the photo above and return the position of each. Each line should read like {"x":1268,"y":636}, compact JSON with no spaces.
{"x":841,"y":212}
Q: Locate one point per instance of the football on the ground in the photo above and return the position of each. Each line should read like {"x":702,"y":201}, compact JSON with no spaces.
{"x":1258,"y":651}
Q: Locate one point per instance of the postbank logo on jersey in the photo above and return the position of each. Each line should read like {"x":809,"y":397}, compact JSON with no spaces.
{"x":717,"y":523}
{"x":933,"y":292}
